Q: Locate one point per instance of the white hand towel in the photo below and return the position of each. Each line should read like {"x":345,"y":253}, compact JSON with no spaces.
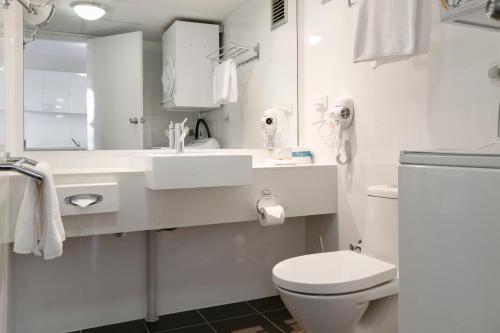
{"x":39,"y":228}
{"x":391,"y":30}
{"x":225,"y":83}
{"x":27,"y":226}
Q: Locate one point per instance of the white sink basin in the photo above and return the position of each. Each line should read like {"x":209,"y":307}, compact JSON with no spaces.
{"x":195,"y":170}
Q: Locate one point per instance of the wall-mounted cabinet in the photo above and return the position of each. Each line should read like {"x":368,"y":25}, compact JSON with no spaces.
{"x":58,"y":92}
{"x":187,"y":73}
{"x":78,"y":93}
{"x":56,"y":87}
{"x":33,"y":90}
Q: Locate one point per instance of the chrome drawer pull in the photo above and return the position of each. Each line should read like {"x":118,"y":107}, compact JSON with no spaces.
{"x":96,"y":198}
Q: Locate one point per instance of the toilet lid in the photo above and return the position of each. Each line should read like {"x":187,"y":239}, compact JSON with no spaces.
{"x":332,"y":273}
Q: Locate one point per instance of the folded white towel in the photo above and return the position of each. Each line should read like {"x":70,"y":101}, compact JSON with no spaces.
{"x":39,"y":228}
{"x":391,"y":30}
{"x":225,"y":83}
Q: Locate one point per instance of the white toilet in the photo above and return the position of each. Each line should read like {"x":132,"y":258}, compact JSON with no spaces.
{"x":330,"y":292}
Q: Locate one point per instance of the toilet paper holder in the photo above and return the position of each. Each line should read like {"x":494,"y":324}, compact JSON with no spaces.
{"x":266,"y":199}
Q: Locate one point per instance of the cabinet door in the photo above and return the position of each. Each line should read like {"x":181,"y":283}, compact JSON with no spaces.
{"x":193,"y":72}
{"x":56,"y":91}
{"x":78,"y":93}
{"x":33,"y":90}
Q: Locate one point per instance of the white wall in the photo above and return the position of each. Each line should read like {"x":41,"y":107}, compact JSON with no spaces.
{"x":440,"y":100}
{"x":265,"y":84}
{"x":2,"y":97}
{"x":154,"y":116}
{"x":102,"y":279}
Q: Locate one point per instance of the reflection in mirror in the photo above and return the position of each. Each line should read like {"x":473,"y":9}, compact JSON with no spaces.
{"x":120,"y":81}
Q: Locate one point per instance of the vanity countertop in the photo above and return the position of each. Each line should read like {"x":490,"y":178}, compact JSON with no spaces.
{"x":123,"y":171}
{"x":141,"y":171}
{"x":142,"y":209}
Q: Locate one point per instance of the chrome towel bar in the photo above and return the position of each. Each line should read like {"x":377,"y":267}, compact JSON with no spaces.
{"x":17,"y":164}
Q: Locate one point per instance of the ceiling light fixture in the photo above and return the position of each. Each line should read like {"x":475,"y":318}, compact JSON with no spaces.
{"x":89,"y":10}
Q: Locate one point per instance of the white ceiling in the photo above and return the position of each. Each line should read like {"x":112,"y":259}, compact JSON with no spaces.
{"x":149,"y":16}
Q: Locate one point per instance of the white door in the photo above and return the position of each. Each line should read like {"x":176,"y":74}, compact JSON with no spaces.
{"x":115,"y":73}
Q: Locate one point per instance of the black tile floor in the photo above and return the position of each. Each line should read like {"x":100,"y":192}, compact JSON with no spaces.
{"x":265,"y":315}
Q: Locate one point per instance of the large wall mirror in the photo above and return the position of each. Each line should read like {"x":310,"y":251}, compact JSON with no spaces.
{"x":119,"y":81}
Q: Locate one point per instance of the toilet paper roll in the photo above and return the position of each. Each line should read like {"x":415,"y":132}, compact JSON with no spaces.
{"x":272,"y":215}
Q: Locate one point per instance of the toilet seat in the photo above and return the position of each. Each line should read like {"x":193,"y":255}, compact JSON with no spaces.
{"x":332,"y":273}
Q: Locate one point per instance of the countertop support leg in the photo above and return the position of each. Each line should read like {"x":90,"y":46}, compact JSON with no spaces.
{"x":152,"y":314}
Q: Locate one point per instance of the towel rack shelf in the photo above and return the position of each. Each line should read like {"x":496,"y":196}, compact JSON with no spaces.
{"x":235,"y":51}
{"x":17,"y":164}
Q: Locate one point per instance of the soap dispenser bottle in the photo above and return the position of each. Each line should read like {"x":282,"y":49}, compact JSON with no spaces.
{"x":171,"y":136}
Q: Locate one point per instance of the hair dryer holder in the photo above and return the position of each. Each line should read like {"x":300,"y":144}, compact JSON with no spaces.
{"x":342,"y":114}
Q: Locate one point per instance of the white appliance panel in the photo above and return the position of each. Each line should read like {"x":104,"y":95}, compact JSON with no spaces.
{"x":449,"y":249}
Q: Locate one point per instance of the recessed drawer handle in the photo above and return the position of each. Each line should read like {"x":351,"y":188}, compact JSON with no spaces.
{"x":93,"y":198}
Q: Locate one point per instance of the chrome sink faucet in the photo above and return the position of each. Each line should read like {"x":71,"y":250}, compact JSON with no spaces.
{"x":181,"y":132}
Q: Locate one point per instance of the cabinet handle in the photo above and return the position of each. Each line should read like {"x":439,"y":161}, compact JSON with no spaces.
{"x":134,"y":120}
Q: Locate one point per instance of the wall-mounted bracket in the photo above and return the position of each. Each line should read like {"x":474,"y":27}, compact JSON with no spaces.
{"x":266,"y":199}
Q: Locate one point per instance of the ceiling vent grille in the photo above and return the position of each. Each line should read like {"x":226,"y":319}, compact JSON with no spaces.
{"x":279,"y":13}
